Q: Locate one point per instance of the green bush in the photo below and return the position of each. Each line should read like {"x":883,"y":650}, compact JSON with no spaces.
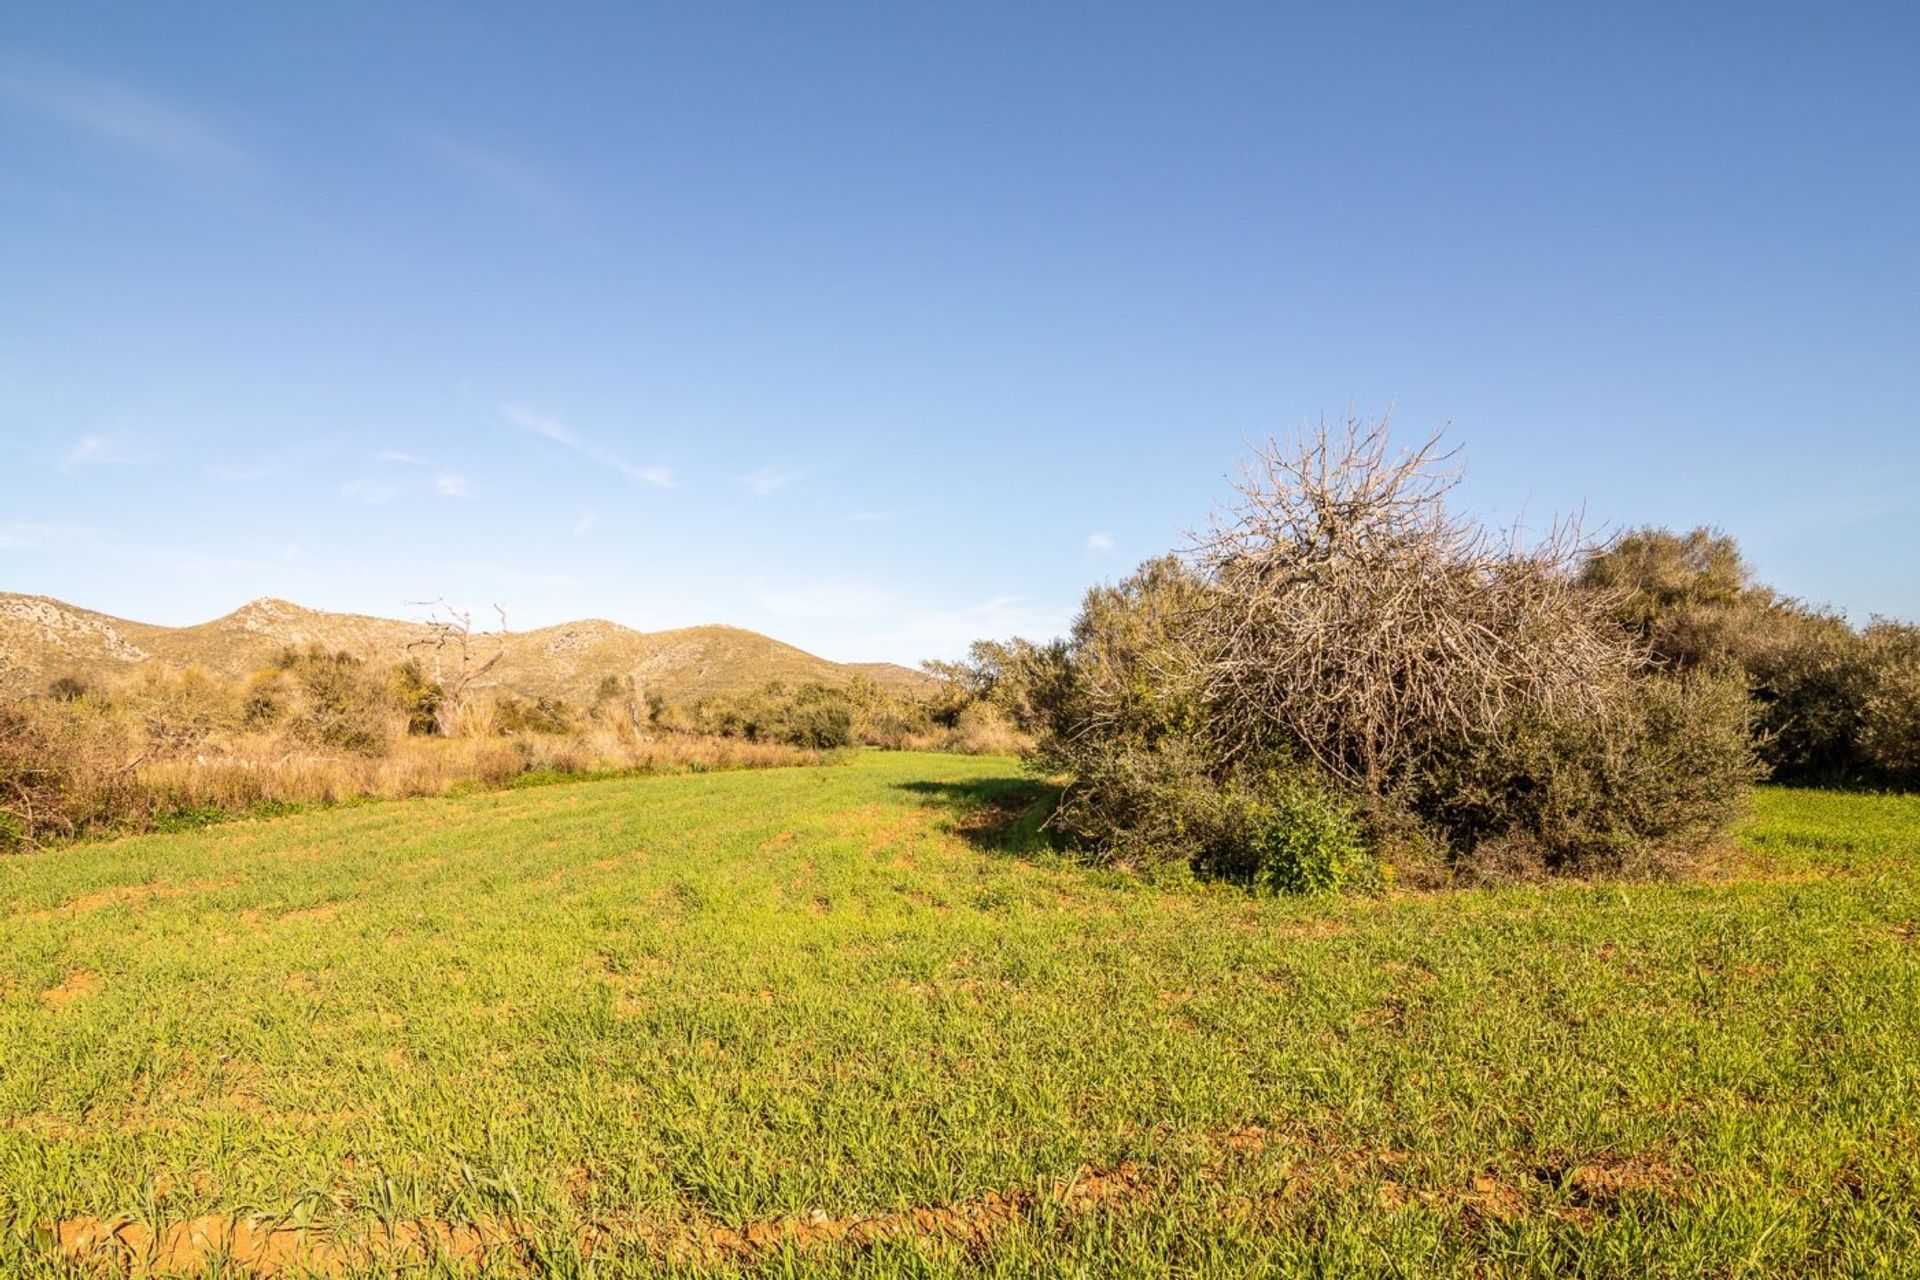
{"x":1890,"y":713}
{"x":1636,"y":791}
{"x":1832,"y":704}
{"x":1301,"y":839}
{"x":335,"y":700}
{"x":822,"y":723}
{"x":1160,"y":808}
{"x":542,"y":714}
{"x":420,"y":697}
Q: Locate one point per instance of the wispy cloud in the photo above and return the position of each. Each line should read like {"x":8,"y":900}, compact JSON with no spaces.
{"x":119,"y":114}
{"x":99,"y":451}
{"x":558,"y":432}
{"x":370,"y":491}
{"x":583,"y":525}
{"x":499,"y":172}
{"x":1099,"y":542}
{"x":768,"y":481}
{"x":389,"y":485}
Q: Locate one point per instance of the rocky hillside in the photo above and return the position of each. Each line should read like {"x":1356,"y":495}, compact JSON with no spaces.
{"x":42,"y":639}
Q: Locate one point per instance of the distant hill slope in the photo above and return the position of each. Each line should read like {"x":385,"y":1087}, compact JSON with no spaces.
{"x":42,"y":639}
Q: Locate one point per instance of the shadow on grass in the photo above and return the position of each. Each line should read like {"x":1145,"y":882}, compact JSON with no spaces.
{"x":999,"y":815}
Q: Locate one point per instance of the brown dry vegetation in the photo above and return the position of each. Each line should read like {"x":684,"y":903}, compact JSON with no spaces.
{"x":155,"y":746}
{"x":69,"y":770}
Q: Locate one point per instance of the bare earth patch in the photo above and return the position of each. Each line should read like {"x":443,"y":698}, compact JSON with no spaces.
{"x":79,"y":983}
{"x":260,"y":1246}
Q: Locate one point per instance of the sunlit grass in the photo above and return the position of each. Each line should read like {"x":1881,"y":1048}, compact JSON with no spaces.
{"x":641,"y":1011}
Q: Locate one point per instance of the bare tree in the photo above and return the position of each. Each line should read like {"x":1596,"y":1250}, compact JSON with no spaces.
{"x":1354,"y":617}
{"x":459,"y":659}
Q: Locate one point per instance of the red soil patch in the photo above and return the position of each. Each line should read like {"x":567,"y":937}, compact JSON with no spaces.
{"x":78,"y":983}
{"x":109,"y":897}
{"x":1603,"y":1183}
{"x":261,"y":1247}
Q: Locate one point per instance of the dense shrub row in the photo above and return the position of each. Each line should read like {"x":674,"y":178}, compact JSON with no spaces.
{"x":1831,"y":703}
{"x":950,"y":716}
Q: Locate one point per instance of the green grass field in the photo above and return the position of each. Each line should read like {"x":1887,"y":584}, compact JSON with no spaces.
{"x":810,"y":1021}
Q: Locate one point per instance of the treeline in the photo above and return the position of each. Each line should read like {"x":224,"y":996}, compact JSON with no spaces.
{"x":319,"y":726}
{"x":1832,"y":704}
{"x":944,"y":716}
{"x":1346,"y":682}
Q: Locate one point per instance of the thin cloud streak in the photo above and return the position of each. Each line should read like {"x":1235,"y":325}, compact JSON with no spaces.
{"x":98,"y":451}
{"x":495,"y":170}
{"x":561,"y":434}
{"x":119,"y":114}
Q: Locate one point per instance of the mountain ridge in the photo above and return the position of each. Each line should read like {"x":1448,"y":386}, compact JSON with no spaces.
{"x":43,"y":638}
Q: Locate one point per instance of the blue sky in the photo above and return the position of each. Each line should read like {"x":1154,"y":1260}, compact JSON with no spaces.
{"x":879,"y":328}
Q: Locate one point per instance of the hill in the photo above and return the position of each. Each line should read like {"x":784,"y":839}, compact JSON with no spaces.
{"x":42,"y":639}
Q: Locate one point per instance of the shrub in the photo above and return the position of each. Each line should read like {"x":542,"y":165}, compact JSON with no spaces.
{"x":1141,"y":806}
{"x":336,"y":701}
{"x":179,"y":712}
{"x":1299,"y":838}
{"x":420,"y":697}
{"x":1636,"y":790}
{"x":68,"y":689}
{"x":1890,"y":712}
{"x":1003,"y":674}
{"x":66,"y":769}
{"x":542,"y":714}
{"x":1345,"y":664}
{"x":1832,"y":704}
{"x":818,"y":719}
{"x":1161,"y":808}
{"x":984,"y":729}
{"x":1811,"y":677}
{"x":1689,"y":596}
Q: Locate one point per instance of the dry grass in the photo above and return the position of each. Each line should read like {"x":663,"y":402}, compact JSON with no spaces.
{"x":66,"y":773}
{"x":255,"y":774}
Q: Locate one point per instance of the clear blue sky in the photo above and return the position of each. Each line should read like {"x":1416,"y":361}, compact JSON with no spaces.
{"x":878,"y":328}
